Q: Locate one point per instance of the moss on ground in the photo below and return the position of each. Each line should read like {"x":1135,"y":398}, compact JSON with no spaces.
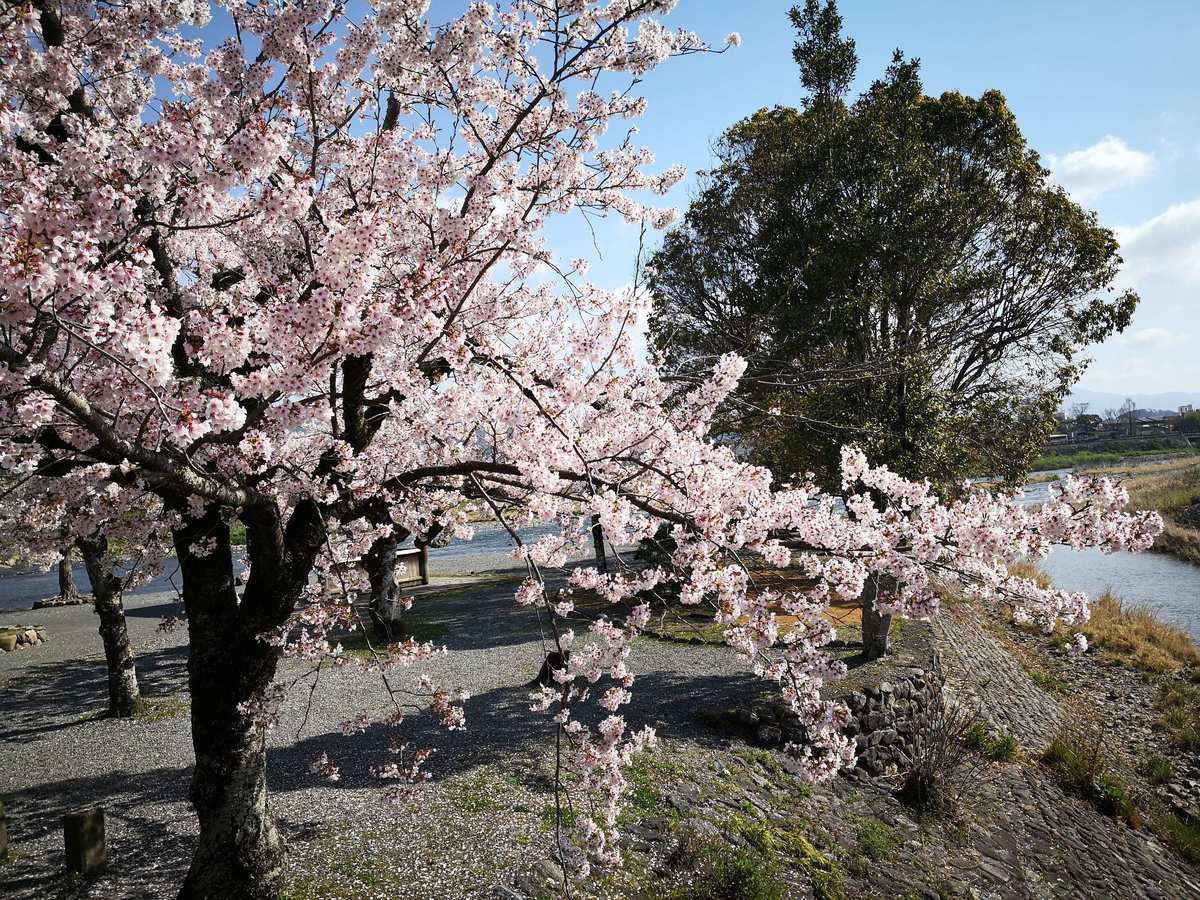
{"x":158,"y":709}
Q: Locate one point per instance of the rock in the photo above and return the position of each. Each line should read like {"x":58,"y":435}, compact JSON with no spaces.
{"x":31,"y":636}
{"x":549,"y":871}
{"x":678,"y":802}
{"x":769,"y":735}
{"x":8,"y":641}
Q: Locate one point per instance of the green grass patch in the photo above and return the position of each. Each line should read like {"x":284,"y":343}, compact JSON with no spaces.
{"x":1001,"y":748}
{"x":1051,"y":684}
{"x":1179,"y":706}
{"x":1183,"y":836}
{"x":1101,"y":457}
{"x":789,"y":843}
{"x":359,"y":644}
{"x":764,"y":759}
{"x":1084,"y":767}
{"x":876,"y":839}
{"x":1156,"y":769}
{"x":648,"y":775}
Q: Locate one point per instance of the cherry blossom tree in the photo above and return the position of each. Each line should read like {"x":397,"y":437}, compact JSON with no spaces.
{"x":43,"y":515}
{"x":295,"y":280}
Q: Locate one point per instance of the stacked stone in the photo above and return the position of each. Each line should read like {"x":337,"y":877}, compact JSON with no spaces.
{"x":888,"y":721}
{"x":21,"y":636}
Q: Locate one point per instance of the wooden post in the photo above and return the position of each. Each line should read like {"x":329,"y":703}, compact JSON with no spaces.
{"x":423,"y":563}
{"x":83,"y":834}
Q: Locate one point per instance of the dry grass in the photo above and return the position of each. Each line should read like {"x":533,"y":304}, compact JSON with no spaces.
{"x":1134,"y":635}
{"x":1131,"y":634}
{"x":1171,"y":488}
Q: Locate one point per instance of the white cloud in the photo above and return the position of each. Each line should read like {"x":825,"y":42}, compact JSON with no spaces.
{"x":1153,"y":338}
{"x":1106,"y":165}
{"x":1166,"y":245}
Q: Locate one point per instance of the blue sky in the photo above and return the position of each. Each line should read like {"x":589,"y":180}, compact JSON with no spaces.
{"x":1105,"y":91}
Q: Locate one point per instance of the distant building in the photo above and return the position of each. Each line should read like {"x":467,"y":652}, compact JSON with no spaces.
{"x":1185,"y":409}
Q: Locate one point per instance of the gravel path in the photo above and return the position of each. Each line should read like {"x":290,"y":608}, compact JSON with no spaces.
{"x":55,"y":756}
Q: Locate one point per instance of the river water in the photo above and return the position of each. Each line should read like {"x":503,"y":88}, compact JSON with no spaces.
{"x":1169,"y":585}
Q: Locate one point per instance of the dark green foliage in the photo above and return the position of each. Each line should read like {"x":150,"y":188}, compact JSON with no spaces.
{"x":898,"y":271}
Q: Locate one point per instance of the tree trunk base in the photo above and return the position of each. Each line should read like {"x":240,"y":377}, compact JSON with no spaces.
{"x":545,"y":676}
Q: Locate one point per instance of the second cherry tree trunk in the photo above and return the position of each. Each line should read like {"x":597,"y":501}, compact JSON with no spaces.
{"x":124,"y":695}
{"x":876,"y":626}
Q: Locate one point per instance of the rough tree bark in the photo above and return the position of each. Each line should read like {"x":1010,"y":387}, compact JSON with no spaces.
{"x":240,"y":852}
{"x":876,"y":626}
{"x":123,"y":692}
{"x":380,"y":563}
{"x":67,"y":589}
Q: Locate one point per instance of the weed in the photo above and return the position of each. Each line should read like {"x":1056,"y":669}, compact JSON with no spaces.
{"x":792,"y":844}
{"x":1181,"y":834}
{"x":764,"y":759}
{"x":876,"y":839}
{"x":1135,"y":635}
{"x":1156,"y":769}
{"x":1001,"y":748}
{"x":944,"y":769}
{"x":1079,"y":758}
{"x":1047,"y":682}
{"x":1179,"y":704}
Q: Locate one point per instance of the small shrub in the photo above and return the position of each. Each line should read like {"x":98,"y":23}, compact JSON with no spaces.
{"x":944,"y":768}
{"x":876,"y":839}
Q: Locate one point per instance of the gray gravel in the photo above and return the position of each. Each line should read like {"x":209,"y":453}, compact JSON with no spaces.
{"x":55,"y":755}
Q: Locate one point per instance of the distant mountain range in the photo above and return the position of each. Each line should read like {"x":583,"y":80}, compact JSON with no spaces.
{"x":1099,"y":401}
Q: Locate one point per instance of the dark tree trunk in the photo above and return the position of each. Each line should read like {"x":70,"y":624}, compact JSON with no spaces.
{"x":240,"y":852}
{"x":380,"y":563}
{"x":123,"y":692}
{"x":876,"y":626}
{"x":67,"y":589}
{"x":598,"y":543}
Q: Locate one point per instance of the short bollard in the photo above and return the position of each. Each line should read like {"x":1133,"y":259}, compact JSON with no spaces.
{"x":84,"y":834}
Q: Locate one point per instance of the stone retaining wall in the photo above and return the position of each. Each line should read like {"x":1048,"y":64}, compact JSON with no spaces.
{"x":892,"y":702}
{"x":890,"y":720}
